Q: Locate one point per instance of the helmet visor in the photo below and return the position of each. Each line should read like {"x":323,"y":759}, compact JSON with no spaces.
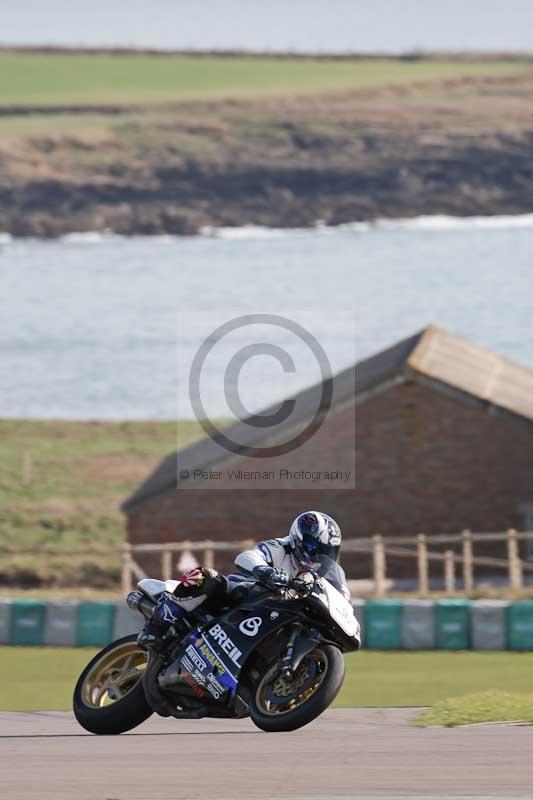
{"x":309,"y":528}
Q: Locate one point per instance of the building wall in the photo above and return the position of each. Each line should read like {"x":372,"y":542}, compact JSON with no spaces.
{"x":429,"y":462}
{"x":424,"y":461}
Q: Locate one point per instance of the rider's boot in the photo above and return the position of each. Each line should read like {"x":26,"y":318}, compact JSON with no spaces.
{"x":166,"y":613}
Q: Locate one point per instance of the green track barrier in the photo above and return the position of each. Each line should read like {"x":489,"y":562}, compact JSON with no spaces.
{"x":383,"y":624}
{"x":5,"y":621}
{"x":520,"y":626}
{"x":452,"y":624}
{"x":27,"y":622}
{"x":95,"y":624}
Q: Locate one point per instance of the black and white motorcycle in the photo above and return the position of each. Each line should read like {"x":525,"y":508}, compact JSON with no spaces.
{"x":276,"y":657}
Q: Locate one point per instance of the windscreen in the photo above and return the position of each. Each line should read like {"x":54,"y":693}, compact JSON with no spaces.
{"x":332,"y":572}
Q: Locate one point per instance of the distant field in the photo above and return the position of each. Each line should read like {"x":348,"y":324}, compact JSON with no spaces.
{"x":37,"y":679}
{"x":63,"y":79}
{"x":61,"y":484}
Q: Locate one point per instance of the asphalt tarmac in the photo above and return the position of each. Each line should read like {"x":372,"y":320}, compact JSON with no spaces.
{"x":346,"y":753}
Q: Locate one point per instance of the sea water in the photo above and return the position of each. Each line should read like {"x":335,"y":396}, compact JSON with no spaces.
{"x":98,"y":327}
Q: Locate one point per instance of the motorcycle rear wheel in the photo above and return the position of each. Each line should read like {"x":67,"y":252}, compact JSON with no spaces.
{"x":279,"y":704}
{"x":109,"y":695}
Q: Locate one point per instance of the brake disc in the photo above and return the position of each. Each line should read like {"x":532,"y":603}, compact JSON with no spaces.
{"x":283,"y":690}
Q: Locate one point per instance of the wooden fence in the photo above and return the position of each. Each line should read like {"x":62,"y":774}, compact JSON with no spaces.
{"x":453,"y":553}
{"x":417,"y":548}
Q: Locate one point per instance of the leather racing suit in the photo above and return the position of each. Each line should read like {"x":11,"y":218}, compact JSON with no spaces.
{"x":278,"y":555}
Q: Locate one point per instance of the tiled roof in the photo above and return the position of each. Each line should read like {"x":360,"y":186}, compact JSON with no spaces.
{"x":433,"y":354}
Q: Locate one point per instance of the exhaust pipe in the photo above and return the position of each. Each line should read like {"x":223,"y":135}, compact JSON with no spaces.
{"x":139,"y":602}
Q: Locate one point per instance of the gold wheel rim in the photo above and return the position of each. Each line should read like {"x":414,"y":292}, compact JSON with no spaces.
{"x":114,"y":675}
{"x":289,"y":688}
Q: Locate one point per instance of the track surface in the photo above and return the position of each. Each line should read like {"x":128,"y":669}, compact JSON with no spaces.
{"x":346,"y":753}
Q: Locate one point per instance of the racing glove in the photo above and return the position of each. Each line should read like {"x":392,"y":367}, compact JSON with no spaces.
{"x":270,"y":577}
{"x":304,"y":583}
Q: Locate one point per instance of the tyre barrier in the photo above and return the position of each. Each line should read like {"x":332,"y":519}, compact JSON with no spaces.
{"x":456,"y":624}
{"x":63,"y":624}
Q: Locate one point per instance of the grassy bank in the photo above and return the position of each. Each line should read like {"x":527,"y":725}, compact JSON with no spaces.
{"x":478,"y":708}
{"x":61,"y":484}
{"x":43,"y":678}
{"x":79,"y":79}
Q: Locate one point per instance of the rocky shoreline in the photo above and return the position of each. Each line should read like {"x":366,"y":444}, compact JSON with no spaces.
{"x":461,"y":147}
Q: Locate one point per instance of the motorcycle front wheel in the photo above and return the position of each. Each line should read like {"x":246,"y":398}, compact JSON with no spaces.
{"x":281,"y":704}
{"x":109,"y":695}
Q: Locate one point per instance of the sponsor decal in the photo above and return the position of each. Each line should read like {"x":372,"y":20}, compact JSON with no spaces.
{"x":212,"y":659}
{"x":195,"y":658}
{"x":227,"y":645}
{"x":168,"y":616}
{"x":216,"y":683}
{"x":274,"y":615}
{"x":199,"y":692}
{"x":198,"y":676}
{"x":187,"y":663}
{"x":213,"y":692}
{"x":250,"y":626}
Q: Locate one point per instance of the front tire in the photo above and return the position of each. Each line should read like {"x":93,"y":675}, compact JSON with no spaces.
{"x":278,"y":705}
{"x":109,"y":695}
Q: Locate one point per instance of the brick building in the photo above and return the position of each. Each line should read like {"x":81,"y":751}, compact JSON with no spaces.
{"x":443,"y":433}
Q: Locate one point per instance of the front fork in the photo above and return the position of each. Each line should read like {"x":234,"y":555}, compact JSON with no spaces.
{"x":301,"y":642}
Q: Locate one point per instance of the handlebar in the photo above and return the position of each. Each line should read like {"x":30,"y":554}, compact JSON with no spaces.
{"x":302,"y":584}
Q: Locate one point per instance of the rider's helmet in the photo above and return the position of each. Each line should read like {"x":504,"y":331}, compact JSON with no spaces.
{"x":314,"y":533}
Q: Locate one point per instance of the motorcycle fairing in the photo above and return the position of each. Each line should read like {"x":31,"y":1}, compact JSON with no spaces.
{"x":215,"y":654}
{"x":341,"y":610}
{"x":205,"y":666}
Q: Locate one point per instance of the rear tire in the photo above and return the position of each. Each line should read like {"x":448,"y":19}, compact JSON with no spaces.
{"x":329,"y":683}
{"x":102,"y":708}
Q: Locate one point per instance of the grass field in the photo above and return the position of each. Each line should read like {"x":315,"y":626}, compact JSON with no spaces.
{"x":43,"y":678}
{"x":61,"y":484}
{"x":63,"y":79}
{"x":471,"y":709}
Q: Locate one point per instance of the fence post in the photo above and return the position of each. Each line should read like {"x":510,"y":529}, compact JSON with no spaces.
{"x":513,"y":557}
{"x":520,"y":573}
{"x":422,"y":558}
{"x":379,"y":566}
{"x":126,"y":569}
{"x":166,"y":564}
{"x":468,"y":562}
{"x":209,"y":557}
{"x":449,"y":571}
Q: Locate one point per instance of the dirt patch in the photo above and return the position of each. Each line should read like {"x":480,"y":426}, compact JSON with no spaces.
{"x":120,"y":468}
{"x":58,"y":508}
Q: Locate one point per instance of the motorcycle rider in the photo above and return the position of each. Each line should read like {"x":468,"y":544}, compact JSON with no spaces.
{"x":273,"y":563}
{"x":276,"y":561}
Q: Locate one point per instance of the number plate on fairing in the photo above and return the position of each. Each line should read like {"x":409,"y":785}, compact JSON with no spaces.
{"x":340,"y":610}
